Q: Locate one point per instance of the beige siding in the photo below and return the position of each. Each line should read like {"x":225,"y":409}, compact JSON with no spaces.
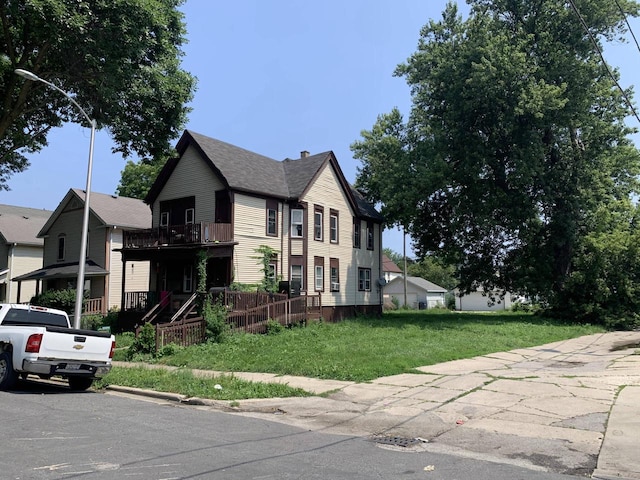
{"x":137,"y":275}
{"x":192,"y":172}
{"x":69,"y":224}
{"x":22,"y":259}
{"x":250,"y":233}
{"x":328,"y":193}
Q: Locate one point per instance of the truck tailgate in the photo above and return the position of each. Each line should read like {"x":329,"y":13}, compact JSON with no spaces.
{"x":75,"y":345}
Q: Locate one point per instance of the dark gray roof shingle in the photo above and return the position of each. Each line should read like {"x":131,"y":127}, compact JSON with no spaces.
{"x":246,"y":171}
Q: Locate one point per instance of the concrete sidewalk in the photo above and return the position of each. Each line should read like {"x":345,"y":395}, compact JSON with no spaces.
{"x":568,"y":407}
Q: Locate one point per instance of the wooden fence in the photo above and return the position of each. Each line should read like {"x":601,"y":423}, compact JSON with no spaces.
{"x":252,"y":320}
{"x":184,"y":333}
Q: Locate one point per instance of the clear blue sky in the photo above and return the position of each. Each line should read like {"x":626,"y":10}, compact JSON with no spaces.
{"x":275,"y":77}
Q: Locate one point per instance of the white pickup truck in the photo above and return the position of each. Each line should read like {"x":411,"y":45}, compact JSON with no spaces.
{"x":40,"y":341}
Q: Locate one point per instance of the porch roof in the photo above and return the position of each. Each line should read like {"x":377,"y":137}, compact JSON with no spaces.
{"x":63,"y":270}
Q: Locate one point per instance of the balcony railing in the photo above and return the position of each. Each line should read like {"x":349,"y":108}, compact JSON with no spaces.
{"x":203,"y":232}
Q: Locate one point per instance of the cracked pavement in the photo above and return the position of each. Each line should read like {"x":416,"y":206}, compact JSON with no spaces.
{"x":545,"y":407}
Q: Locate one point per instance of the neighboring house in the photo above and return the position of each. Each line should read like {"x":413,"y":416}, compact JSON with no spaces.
{"x":20,"y":249}
{"x":421,"y":293}
{"x":479,"y":301}
{"x":225,"y":202}
{"x":390,"y":269}
{"x":109,"y":217}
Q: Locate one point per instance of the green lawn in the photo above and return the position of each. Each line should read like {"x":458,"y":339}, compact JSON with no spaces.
{"x":366,"y":348}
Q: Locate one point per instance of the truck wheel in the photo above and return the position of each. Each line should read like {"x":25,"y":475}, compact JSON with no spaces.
{"x":8,"y":376}
{"x":80,"y":383}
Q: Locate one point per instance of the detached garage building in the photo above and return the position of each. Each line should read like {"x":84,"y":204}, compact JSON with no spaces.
{"x":478,"y":301}
{"x":421,"y":293}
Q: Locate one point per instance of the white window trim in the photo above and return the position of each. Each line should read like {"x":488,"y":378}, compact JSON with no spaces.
{"x":296,"y":212}
{"x":333,"y":228}
{"x":301,"y":277}
{"x":319,"y":277}
{"x":164,"y":219}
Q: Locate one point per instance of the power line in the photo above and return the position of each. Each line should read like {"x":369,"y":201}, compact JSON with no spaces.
{"x":604,"y":62}
{"x":624,"y":15}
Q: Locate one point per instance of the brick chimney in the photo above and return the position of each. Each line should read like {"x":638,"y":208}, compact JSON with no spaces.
{"x":304,"y":154}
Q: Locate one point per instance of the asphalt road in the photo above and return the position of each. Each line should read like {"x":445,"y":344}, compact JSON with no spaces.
{"x":49,"y":432}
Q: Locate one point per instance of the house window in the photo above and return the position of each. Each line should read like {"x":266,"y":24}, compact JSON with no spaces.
{"x":369,"y":235}
{"x":319,"y":277}
{"x":272,"y":218}
{"x":164,"y":219}
{"x":187,"y":280}
{"x":333,"y":227}
{"x":296,"y":223}
{"x":334,"y":267}
{"x":356,"y":233}
{"x":189,"y":215}
{"x":364,"y":279}
{"x":318,"y":270}
{"x":272,"y":270}
{"x":317,"y":224}
{"x":296,"y":276}
{"x":61,"y":247}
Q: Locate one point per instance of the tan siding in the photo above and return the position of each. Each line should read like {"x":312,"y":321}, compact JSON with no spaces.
{"x":328,"y":193}
{"x":137,"y":277}
{"x":25,"y":259}
{"x":249,"y":232}
{"x":193,"y":172}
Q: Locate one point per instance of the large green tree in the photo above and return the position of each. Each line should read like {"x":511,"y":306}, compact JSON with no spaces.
{"x":515,"y":144}
{"x":120,"y":59}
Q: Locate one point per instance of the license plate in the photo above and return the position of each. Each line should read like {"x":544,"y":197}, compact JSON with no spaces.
{"x":73,"y":366}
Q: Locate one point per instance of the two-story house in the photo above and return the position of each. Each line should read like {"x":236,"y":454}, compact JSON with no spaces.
{"x":20,"y":250}
{"x":228,"y":202}
{"x":109,"y":217}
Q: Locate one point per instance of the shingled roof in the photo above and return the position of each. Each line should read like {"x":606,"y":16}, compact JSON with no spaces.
{"x":111,"y":210}
{"x":21,"y":224}
{"x":246,"y":171}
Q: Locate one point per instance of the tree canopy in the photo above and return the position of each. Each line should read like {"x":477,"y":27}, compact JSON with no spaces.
{"x":514,"y":147}
{"x":119,"y":59}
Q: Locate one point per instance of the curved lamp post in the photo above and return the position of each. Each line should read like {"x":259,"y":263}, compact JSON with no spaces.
{"x":77,"y":314}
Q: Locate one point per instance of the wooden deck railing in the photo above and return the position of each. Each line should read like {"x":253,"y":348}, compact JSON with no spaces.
{"x":286,"y":312}
{"x":203,"y":232}
{"x":92,"y":306}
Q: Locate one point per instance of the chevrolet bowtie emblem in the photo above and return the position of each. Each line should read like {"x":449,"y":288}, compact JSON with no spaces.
{"x":78,"y":347}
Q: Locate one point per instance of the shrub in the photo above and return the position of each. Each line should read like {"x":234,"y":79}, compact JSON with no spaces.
{"x":274,"y":327}
{"x":91,"y":322}
{"x":215,"y":316}
{"x":60,"y":299}
{"x":145,"y":342}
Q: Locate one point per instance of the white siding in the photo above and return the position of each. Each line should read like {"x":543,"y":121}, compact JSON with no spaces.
{"x":201,"y":182}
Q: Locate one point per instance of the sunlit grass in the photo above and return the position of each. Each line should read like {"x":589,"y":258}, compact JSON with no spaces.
{"x":367,"y":348}
{"x":184,"y":382}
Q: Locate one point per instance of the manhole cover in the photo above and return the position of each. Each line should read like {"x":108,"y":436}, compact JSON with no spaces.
{"x":397,"y":441}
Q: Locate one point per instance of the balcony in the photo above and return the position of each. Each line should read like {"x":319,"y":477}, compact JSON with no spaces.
{"x":193,"y":233}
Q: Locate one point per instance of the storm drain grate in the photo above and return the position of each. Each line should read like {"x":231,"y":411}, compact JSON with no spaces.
{"x":397,"y":441}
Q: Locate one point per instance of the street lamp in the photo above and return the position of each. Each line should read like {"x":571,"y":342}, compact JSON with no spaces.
{"x":77,"y":314}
